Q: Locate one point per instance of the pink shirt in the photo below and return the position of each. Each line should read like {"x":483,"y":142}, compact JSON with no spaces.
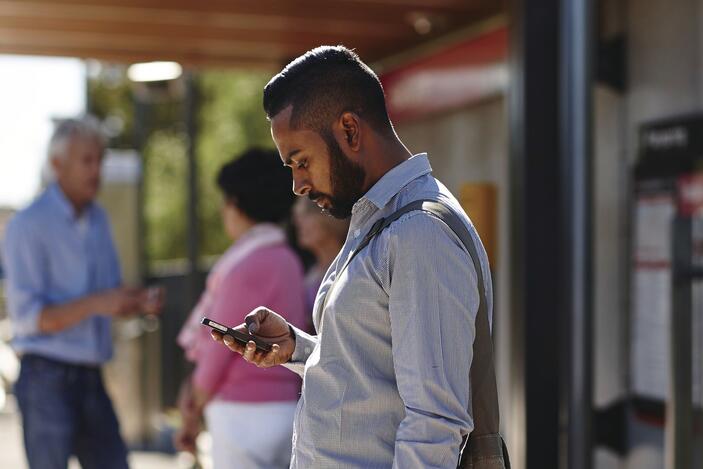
{"x":270,"y":276}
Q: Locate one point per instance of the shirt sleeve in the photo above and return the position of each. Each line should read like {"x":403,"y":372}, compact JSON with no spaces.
{"x":25,"y":281}
{"x":433,"y":302}
{"x":304,"y":345}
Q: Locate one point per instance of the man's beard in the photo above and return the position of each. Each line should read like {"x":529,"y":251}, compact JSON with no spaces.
{"x":346,"y":178}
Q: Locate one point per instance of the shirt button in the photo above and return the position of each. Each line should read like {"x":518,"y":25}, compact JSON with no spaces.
{"x":357,"y":233}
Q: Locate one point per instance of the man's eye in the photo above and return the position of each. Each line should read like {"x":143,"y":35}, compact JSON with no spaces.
{"x":301,"y":165}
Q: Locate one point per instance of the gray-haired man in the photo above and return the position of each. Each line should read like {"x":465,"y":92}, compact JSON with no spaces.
{"x":63,"y":288}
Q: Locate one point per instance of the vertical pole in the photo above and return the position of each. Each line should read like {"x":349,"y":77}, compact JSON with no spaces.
{"x":679,"y":412}
{"x":140,"y":135}
{"x":576,"y":40}
{"x":190,"y":109}
{"x":533,"y":112}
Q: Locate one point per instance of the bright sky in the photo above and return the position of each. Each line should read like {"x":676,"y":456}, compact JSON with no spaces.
{"x":33,"y":90}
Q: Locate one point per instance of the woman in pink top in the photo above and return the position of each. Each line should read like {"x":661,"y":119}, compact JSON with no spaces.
{"x":248,"y":410}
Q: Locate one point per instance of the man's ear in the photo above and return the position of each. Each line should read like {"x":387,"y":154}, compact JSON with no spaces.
{"x":55,"y":163}
{"x":350,"y":130}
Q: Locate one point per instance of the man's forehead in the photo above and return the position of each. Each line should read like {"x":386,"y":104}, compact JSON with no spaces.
{"x":281,"y":121}
{"x":291,"y":141}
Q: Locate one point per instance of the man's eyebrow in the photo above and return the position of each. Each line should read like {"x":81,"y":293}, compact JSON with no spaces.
{"x":289,"y":161}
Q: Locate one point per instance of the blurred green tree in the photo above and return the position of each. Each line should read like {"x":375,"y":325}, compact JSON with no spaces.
{"x":230,"y":119}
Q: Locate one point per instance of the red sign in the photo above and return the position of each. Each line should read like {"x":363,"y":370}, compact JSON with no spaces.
{"x":690,"y":190}
{"x":456,"y":76}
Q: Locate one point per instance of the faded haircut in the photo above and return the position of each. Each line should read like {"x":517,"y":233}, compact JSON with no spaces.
{"x":324,"y":83}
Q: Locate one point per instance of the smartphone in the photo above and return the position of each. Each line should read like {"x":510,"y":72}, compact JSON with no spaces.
{"x":240,"y":337}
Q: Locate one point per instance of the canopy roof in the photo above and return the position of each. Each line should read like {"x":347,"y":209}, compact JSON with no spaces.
{"x":262,"y":33}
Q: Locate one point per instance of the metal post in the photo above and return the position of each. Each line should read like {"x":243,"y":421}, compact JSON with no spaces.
{"x":140,"y":126}
{"x":576,"y":38}
{"x":140,"y":133}
{"x":193,"y":241}
{"x":679,"y":414}
{"x":535,"y":277}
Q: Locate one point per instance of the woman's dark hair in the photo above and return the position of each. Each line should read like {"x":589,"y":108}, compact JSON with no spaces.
{"x":259,"y":185}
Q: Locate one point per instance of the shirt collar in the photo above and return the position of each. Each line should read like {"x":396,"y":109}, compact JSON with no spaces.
{"x":59,"y":199}
{"x":394,"y":180}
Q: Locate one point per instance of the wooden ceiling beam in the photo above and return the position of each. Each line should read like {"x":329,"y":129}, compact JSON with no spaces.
{"x":192,"y":32}
{"x":246,"y":15}
{"x":244,"y":49}
{"x":192,"y":60}
{"x":225,"y":31}
{"x":14,"y":41}
{"x":297,"y":8}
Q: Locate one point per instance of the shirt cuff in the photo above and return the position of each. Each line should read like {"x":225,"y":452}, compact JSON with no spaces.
{"x":304,"y":345}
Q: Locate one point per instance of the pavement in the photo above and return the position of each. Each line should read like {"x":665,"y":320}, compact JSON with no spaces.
{"x":12,"y":451}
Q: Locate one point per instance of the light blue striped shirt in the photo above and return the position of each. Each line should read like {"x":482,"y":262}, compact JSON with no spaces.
{"x":386,"y":380}
{"x":52,"y":258}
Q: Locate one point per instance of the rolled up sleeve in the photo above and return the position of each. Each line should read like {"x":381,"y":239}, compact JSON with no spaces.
{"x":433,"y":301}
{"x":25,"y":281}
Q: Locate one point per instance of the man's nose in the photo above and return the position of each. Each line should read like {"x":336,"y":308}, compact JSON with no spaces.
{"x":301,"y":186}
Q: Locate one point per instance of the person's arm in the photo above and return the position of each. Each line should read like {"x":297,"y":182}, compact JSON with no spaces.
{"x":433,"y":301}
{"x":32,"y":313}
{"x":190,"y":406}
{"x":114,"y":302}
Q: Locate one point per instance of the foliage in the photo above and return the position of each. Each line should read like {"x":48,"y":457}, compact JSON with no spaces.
{"x":110,"y":99}
{"x":165,"y":195}
{"x":229,"y":120}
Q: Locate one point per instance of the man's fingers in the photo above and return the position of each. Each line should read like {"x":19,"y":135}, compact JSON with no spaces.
{"x":250,"y":352}
{"x":233,"y":345}
{"x":271,"y":358}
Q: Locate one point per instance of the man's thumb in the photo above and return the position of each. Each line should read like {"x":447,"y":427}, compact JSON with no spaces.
{"x":252,"y":321}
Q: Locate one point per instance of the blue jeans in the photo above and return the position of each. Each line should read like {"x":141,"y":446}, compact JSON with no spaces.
{"x":66,"y":411}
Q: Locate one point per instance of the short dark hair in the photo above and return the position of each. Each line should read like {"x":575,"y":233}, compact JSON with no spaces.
{"x":322,"y":84}
{"x":259,"y":185}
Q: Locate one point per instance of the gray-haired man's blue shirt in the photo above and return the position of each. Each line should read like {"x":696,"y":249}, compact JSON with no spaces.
{"x":386,"y":380}
{"x":52,"y":258}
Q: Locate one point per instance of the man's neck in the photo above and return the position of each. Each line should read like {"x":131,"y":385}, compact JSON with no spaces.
{"x":386,"y":154}
{"x":77,"y":205}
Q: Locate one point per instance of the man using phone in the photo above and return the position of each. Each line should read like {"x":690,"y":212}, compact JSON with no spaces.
{"x":386,"y":380}
{"x":63,"y":288}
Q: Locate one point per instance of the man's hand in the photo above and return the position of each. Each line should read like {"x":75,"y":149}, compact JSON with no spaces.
{"x":121,"y":301}
{"x":116,"y":302}
{"x":151,"y":300}
{"x":268,"y":326}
